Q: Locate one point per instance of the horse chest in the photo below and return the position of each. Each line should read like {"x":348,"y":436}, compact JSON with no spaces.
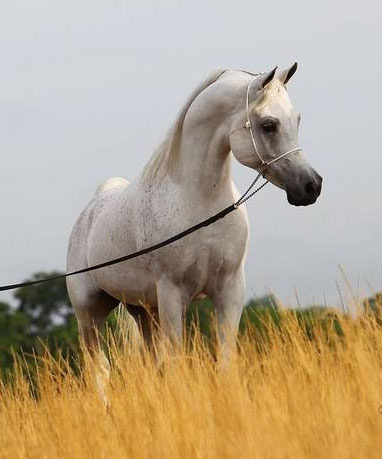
{"x":210,"y":256}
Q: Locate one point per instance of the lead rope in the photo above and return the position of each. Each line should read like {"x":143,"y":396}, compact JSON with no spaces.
{"x":247,"y":195}
{"x":147,"y":250}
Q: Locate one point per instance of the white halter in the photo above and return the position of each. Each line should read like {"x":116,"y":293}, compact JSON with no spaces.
{"x":248,"y":126}
{"x":264,"y":164}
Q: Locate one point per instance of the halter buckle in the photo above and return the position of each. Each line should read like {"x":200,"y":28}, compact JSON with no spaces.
{"x":248,"y":125}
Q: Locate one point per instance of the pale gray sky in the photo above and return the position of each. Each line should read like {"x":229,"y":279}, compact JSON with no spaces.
{"x":87,"y":88}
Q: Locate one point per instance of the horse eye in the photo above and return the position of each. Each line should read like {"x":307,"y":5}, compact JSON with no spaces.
{"x":269,"y":126}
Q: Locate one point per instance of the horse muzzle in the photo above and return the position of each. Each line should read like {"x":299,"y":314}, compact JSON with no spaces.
{"x":305,"y":193}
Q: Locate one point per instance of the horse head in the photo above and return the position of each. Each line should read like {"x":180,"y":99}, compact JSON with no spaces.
{"x":264,"y":136}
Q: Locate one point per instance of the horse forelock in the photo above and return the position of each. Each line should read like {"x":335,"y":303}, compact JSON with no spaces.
{"x":275,"y":89}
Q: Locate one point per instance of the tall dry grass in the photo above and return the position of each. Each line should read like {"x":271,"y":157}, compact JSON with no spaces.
{"x":289,"y":395}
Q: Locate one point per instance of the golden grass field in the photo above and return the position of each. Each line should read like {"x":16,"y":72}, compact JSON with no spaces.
{"x":286,"y":397}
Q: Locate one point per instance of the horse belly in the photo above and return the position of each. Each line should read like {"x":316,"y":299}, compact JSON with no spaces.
{"x":130,"y":281}
{"x":130,"y":285}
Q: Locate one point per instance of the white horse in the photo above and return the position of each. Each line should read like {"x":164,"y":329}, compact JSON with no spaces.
{"x":187,"y":180}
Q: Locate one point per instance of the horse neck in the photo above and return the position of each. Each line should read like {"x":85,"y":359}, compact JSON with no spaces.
{"x":204,"y":168}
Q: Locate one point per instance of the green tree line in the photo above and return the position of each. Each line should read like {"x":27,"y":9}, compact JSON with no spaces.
{"x":42,"y":319}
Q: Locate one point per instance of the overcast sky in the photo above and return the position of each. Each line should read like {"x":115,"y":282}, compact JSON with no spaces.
{"x":87,"y":88}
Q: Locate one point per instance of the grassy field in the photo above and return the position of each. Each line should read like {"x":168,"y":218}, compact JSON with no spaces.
{"x":292,"y":391}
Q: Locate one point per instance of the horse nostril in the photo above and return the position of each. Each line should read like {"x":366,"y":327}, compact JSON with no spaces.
{"x":310,"y":188}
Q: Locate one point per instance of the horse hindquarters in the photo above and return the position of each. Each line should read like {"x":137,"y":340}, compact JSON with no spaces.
{"x":91,"y":305}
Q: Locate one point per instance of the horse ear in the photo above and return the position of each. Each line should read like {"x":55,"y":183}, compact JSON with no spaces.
{"x":287,"y":74}
{"x":267,"y":78}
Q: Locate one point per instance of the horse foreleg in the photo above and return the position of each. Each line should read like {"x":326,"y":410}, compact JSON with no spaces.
{"x":171,"y":310}
{"x":229,"y":302}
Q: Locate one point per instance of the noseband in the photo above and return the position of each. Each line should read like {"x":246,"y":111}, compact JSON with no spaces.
{"x":248,"y":126}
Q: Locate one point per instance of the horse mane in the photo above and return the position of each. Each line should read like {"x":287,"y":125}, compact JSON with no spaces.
{"x":166,"y":154}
